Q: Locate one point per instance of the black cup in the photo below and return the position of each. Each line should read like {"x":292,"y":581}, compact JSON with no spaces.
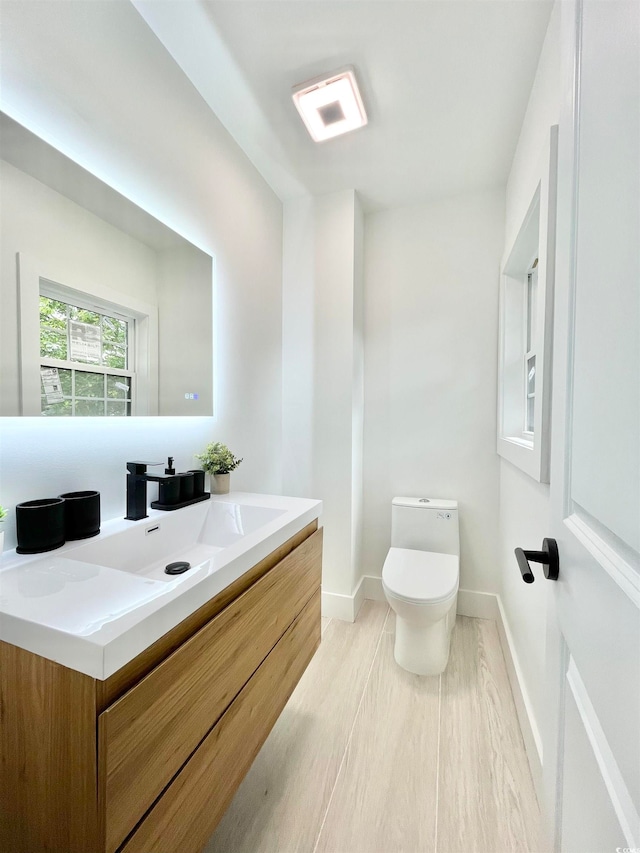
{"x":81,"y":514}
{"x":40,"y":525}
{"x":169,"y":491}
{"x":186,"y":486}
{"x":198,"y":481}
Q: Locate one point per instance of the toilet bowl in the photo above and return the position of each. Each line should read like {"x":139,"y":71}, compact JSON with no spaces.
{"x":422,"y":588}
{"x":421,"y":585}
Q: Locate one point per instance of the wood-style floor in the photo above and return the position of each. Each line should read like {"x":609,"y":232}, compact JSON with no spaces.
{"x":367,"y":758}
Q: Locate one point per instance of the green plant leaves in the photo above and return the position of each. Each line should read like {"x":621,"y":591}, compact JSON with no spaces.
{"x":218,"y":459}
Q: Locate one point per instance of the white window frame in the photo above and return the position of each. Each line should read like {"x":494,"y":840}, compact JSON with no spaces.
{"x":60,"y":283}
{"x":530,"y":351}
{"x":529,"y":450}
{"x":51,"y":290}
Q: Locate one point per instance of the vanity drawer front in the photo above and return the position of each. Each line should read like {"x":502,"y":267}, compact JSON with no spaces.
{"x":185,"y":816}
{"x":146,"y":736}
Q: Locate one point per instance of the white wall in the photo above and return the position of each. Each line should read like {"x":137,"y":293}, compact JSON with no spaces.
{"x":431,"y":301}
{"x":542,"y":111}
{"x":524,"y":503}
{"x":334,"y":441}
{"x":322,"y":377}
{"x":298,"y":342}
{"x":357,"y":405}
{"x":93,"y":78}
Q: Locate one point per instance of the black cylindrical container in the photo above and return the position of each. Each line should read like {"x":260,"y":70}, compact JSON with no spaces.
{"x":169,"y":491}
{"x":198,"y":481}
{"x":186,"y":486}
{"x":40,"y":525}
{"x":81,"y":514}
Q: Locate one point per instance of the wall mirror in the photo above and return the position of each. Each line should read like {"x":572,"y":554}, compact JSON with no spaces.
{"x":105,"y":311}
{"x":526,"y":327}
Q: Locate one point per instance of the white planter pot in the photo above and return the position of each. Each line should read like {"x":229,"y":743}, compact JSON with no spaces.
{"x":1,"y":542}
{"x":220,"y":484}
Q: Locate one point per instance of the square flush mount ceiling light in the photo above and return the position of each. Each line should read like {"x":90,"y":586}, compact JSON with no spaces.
{"x":330,"y":105}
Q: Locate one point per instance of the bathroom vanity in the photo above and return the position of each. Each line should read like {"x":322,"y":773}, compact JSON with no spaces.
{"x":131,"y":729}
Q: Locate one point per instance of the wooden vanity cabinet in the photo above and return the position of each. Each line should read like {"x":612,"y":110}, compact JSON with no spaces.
{"x":149,"y":759}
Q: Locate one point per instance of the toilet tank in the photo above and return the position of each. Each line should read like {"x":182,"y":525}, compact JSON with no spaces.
{"x":425,"y":524}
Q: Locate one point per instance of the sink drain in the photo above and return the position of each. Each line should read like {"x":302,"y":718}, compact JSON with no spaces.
{"x":177,"y":568}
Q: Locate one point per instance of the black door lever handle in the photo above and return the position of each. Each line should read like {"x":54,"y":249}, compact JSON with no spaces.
{"x":548,"y":557}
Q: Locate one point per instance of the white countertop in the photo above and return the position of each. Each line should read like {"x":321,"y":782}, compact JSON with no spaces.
{"x":95,"y":604}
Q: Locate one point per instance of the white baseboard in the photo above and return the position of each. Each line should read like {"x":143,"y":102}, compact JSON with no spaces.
{"x":338,"y":606}
{"x":524,"y":709}
{"x":480,"y":605}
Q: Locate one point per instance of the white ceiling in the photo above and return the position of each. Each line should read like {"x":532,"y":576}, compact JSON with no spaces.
{"x":445,"y":84}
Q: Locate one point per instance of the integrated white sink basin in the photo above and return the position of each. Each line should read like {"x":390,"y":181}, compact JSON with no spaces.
{"x":95,"y":604}
{"x":193,"y":535}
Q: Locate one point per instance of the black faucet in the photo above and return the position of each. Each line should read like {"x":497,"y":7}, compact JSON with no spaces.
{"x":137,"y":480}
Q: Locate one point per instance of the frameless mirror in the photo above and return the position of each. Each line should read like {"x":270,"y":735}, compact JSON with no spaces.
{"x":104,"y":310}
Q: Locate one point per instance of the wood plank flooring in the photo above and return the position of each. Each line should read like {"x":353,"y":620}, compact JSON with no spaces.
{"x":486,"y":797}
{"x":367,"y":758}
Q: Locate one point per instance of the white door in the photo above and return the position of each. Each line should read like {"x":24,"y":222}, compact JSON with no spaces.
{"x":592,"y":734}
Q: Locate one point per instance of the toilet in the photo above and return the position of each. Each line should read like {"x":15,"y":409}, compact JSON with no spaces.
{"x":420,"y":581}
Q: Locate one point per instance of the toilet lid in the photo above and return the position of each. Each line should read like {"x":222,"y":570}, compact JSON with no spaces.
{"x":420,"y":575}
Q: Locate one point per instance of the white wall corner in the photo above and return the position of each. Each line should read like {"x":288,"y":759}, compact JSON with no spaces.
{"x":373,"y":588}
{"x":335,"y":377}
{"x":357,"y":403}
{"x":358,"y":598}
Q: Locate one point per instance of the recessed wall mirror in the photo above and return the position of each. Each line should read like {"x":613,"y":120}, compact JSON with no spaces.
{"x":104,"y":310}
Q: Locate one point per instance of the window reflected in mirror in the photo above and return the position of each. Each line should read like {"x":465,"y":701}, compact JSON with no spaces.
{"x":71,"y":337}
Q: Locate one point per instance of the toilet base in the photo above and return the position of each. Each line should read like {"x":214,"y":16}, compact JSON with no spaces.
{"x":423,"y":649}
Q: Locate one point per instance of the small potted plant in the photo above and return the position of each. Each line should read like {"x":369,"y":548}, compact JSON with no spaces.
{"x":218,"y":461}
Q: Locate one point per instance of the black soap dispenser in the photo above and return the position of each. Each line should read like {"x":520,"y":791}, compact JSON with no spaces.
{"x":168,"y":488}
